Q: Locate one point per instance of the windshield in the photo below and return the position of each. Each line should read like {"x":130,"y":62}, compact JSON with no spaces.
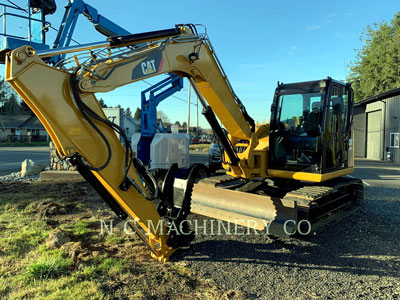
{"x":295,"y":112}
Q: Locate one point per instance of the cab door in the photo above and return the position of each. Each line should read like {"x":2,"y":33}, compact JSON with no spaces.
{"x":336,"y":128}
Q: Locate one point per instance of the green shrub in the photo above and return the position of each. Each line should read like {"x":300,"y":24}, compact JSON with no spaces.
{"x":48,"y":268}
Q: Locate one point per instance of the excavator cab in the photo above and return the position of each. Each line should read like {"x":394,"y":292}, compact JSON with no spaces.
{"x":311,"y":128}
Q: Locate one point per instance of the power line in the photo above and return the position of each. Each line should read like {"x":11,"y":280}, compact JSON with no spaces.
{"x":185,"y":101}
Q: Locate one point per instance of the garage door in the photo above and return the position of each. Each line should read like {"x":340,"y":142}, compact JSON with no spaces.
{"x":374,"y":135}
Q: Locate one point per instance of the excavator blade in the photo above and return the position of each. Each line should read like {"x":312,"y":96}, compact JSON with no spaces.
{"x":260,"y":212}
{"x":276,"y":210}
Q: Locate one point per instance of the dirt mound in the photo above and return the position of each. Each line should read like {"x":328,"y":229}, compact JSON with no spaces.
{"x":47,"y":208}
{"x":57,"y":238}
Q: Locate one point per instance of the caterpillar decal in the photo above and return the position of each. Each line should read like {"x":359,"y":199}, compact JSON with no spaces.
{"x":152,"y":64}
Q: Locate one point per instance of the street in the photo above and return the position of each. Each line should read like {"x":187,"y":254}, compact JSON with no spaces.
{"x":377,"y":173}
{"x":373,"y":173}
{"x":12,"y":157}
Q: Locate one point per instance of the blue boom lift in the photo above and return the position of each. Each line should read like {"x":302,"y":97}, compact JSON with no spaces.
{"x":148,"y":123}
{"x":153,"y":145}
{"x":35,"y":14}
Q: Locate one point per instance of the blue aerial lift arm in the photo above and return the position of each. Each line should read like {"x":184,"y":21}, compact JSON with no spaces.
{"x":72,"y":11}
{"x":148,"y":123}
{"x":156,"y":95}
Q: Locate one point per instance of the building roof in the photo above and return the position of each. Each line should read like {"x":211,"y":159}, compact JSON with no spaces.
{"x":23,"y":121}
{"x":32,"y":123}
{"x":132,"y":121}
{"x":12,"y":121}
{"x":385,"y":95}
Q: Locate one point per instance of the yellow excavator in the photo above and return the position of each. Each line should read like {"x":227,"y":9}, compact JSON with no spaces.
{"x":277,"y":174}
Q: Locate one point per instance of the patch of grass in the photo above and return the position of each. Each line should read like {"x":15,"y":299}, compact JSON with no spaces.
{"x":113,"y":239}
{"x":92,"y":266}
{"x":85,"y":273}
{"x":200,"y":147}
{"x":102,"y":267}
{"x":38,"y":204}
{"x":23,"y":234}
{"x":14,"y":201}
{"x":81,"y":206}
{"x":48,"y":268}
{"x":65,"y":287}
{"x":81,"y":227}
{"x":111,"y":266}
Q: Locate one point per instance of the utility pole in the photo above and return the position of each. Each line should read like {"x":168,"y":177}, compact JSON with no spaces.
{"x":188,"y":122}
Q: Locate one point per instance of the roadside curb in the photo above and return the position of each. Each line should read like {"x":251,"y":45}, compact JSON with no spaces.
{"x":61,"y":175}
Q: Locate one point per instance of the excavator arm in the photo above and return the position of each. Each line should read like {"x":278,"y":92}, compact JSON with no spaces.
{"x":64,"y":100}
{"x":182,"y":53}
{"x":187,"y":54}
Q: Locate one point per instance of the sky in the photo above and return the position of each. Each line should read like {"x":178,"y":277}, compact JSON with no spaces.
{"x":258,"y":42}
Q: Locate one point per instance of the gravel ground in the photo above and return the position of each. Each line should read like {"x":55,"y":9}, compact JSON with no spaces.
{"x":359,"y":258}
{"x":16,"y":176}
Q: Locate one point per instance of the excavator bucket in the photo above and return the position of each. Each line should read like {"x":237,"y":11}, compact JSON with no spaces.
{"x":276,"y":210}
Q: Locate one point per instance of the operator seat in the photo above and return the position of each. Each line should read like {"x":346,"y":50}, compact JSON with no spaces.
{"x":313,"y":120}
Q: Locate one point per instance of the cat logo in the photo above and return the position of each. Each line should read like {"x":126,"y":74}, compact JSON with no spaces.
{"x":148,"y":67}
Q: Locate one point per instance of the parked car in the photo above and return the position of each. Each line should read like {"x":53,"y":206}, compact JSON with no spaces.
{"x":194,"y":141}
{"x":204,"y":141}
{"x":215,"y":156}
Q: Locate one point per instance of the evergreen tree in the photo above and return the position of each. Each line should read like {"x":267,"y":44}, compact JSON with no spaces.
{"x":25,"y":109}
{"x":9,"y":100}
{"x":137,"y":114}
{"x":128,"y":112}
{"x":102,"y":103}
{"x":377,"y":66}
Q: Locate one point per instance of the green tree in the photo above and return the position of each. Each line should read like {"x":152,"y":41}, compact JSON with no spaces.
{"x":4,"y":91}
{"x":164,"y":118}
{"x":11,"y":105}
{"x":9,"y":100}
{"x":119,"y":106}
{"x":137,"y":114}
{"x":25,"y":109}
{"x":377,"y":65}
{"x":102,"y":103}
{"x":128,"y":112}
